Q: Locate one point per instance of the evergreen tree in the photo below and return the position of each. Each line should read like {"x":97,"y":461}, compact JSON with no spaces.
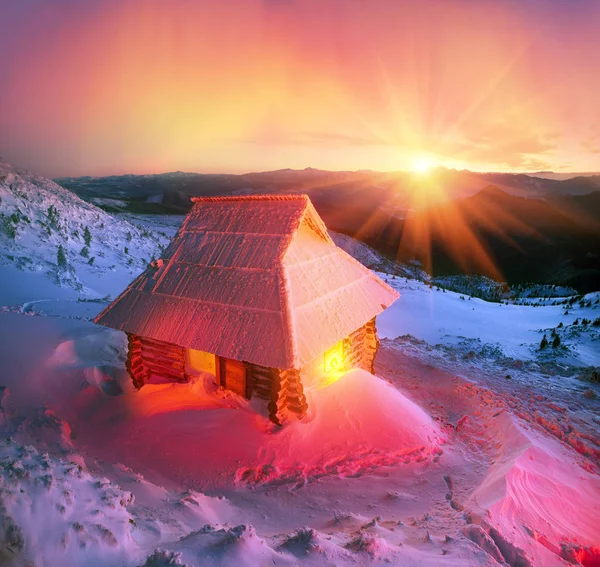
{"x":543,"y":342}
{"x":85,"y":252}
{"x":91,"y":261}
{"x":53,"y":216}
{"x":556,"y":341}
{"x":87,"y":236}
{"x":61,"y":257}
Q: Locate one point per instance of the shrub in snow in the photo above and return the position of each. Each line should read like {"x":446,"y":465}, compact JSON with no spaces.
{"x":7,"y":226}
{"x":556,"y":341}
{"x":53,"y":217}
{"x":162,"y":558}
{"x":304,"y":539}
{"x":11,"y":535}
{"x":237,"y":534}
{"x":85,"y":252}
{"x":543,"y":342}
{"x":87,"y":236}
{"x":374,"y":545}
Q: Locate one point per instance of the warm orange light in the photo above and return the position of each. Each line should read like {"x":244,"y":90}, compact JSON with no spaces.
{"x":334,"y":358}
{"x":334,"y":365}
{"x":422,"y":164}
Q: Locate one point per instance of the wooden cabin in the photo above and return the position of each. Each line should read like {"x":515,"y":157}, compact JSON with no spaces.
{"x":253,"y":291}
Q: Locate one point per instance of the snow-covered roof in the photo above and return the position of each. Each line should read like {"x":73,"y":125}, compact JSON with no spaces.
{"x":255,"y":278}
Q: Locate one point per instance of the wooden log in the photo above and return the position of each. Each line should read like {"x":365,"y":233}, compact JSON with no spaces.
{"x":262,"y":394}
{"x":158,"y":344}
{"x":176,"y":379}
{"x":300,"y":410}
{"x":147,"y":357}
{"x":276,"y":407}
{"x":135,"y":367}
{"x":166,"y":371}
{"x":164,"y":360}
{"x":372,"y":345}
{"x":172,"y":364}
{"x":166,"y":353}
{"x":295,"y":390}
{"x":261,"y":370}
{"x":261,"y":380}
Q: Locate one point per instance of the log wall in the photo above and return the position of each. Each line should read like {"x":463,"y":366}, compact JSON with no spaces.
{"x":134,"y":364}
{"x":154,"y":361}
{"x":360,"y":347}
{"x":371,"y":346}
{"x":261,"y":381}
{"x":282,"y":389}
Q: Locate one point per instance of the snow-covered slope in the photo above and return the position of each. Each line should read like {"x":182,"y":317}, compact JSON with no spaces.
{"x":445,"y":458}
{"x":511,"y":331}
{"x":40,"y":221}
{"x":375,"y":260}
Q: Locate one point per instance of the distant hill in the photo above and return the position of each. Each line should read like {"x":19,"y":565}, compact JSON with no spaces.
{"x":171,"y":192}
{"x":516,"y":227}
{"x":553,"y":240}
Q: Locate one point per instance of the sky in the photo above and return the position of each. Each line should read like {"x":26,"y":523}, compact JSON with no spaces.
{"x":145,"y":86}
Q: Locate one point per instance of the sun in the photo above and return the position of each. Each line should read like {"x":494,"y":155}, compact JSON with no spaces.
{"x":422,"y":164}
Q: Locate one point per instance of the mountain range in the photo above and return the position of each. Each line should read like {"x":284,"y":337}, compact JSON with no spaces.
{"x":514,"y":227}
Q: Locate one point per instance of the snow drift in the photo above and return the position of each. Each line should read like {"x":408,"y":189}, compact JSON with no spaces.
{"x":535,"y":493}
{"x":356,"y":424}
{"x":208,"y":436}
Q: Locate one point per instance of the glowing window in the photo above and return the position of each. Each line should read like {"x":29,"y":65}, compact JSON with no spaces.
{"x":334,"y":358}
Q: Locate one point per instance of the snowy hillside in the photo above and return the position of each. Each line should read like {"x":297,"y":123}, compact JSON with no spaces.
{"x":471,"y":447}
{"x":45,"y":228}
{"x":504,"y":332}
{"x":376,"y":260}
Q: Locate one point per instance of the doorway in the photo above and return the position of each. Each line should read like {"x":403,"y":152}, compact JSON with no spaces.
{"x":233,"y":376}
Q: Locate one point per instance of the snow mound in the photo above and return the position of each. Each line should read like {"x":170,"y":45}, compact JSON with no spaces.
{"x":238,"y":545}
{"x":536,"y":493}
{"x":354,"y":425}
{"x":372,"y":545}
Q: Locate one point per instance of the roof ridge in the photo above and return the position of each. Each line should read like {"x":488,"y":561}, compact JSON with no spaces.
{"x":253,"y":197}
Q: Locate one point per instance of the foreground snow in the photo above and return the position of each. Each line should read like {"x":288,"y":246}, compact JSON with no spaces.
{"x":441,"y":460}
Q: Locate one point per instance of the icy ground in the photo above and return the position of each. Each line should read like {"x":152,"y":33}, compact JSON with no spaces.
{"x":472,"y":447}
